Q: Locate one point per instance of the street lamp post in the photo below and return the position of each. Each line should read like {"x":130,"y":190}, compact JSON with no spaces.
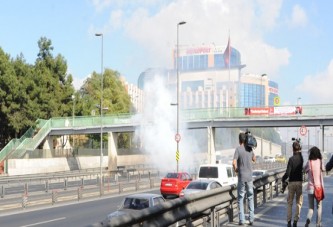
{"x":178,"y":104}
{"x":264,"y":101}
{"x":101,"y":112}
{"x":73,"y":98}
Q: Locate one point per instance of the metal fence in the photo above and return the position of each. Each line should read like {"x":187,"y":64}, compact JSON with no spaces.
{"x":29,"y":191}
{"x":213,"y":207}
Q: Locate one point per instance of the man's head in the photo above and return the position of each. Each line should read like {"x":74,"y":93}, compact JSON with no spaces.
{"x":241,"y":138}
{"x":297,"y":146}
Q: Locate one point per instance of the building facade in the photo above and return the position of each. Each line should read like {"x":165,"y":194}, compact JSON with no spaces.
{"x":207,"y":81}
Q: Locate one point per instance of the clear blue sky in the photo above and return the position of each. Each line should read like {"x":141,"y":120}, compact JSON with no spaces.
{"x":290,"y":41}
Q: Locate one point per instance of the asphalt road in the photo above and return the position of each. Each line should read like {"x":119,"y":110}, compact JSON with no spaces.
{"x":73,"y":214}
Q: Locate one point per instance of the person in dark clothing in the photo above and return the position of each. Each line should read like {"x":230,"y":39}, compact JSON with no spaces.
{"x":294,"y":174}
{"x":329,"y":165}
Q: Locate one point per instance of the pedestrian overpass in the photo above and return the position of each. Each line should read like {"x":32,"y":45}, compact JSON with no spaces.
{"x":311,"y":116}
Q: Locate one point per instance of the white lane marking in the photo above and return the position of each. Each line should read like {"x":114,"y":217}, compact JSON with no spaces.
{"x":43,"y":222}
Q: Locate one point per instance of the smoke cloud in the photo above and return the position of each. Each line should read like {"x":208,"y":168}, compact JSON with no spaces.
{"x":158,"y":129}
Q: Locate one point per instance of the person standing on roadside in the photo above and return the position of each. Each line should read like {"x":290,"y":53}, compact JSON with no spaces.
{"x":314,"y":167}
{"x":329,"y":165}
{"x":242,"y":164}
{"x":294,"y":174}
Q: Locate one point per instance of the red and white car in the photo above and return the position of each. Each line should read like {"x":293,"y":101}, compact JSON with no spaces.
{"x":173,"y":183}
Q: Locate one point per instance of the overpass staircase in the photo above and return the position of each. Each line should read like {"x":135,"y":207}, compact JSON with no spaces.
{"x":32,"y":138}
{"x":16,"y":148}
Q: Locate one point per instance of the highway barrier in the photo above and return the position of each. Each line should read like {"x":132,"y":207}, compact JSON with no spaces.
{"x":24,"y":201}
{"x":54,"y":196}
{"x":215,"y":206}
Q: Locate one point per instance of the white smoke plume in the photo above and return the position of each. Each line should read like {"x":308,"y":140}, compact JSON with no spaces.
{"x":158,"y":129}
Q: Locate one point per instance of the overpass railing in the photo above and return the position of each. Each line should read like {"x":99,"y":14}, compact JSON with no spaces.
{"x":185,"y":115}
{"x":193,"y":115}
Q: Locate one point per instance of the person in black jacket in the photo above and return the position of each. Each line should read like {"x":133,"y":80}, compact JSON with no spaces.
{"x":294,"y":174}
{"x":329,"y":165}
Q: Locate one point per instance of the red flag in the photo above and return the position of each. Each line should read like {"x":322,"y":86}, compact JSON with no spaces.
{"x":227,"y":54}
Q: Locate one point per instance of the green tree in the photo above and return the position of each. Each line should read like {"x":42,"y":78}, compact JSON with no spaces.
{"x":8,"y":92}
{"x":29,"y":92}
{"x":54,"y":87}
{"x":23,"y":115}
{"x":115,"y":98}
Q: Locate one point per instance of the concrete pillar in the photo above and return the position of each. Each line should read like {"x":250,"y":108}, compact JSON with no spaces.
{"x":112,"y":151}
{"x":211,"y":154}
{"x":48,"y":147}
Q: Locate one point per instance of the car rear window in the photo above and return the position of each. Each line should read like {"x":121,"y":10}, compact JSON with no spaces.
{"x":208,"y":172}
{"x":158,"y":200}
{"x":172,"y":175}
{"x":197,"y":185}
{"x":136,"y":203}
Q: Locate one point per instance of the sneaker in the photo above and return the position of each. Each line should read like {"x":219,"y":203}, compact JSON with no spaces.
{"x":307,"y":222}
{"x":240,"y":223}
{"x":295,"y":224}
{"x":251,"y":223}
{"x":289,"y":224}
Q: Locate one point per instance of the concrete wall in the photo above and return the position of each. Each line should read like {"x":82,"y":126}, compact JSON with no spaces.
{"x":48,"y":165}
{"x":269,"y":148}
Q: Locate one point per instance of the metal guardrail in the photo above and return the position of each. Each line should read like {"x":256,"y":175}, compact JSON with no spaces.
{"x":59,"y":187}
{"x":218,"y":205}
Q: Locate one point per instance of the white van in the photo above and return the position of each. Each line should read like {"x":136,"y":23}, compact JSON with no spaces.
{"x":223,"y":173}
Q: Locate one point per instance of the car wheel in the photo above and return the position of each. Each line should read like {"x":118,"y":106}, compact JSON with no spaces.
{"x":164,"y":196}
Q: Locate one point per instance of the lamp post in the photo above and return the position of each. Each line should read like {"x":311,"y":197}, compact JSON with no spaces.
{"x":299,"y":98}
{"x":73,"y":98}
{"x":264,"y":101}
{"x":101,"y":112}
{"x":178,"y":104}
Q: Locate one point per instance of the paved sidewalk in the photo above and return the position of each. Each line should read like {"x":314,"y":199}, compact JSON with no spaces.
{"x":274,"y":213}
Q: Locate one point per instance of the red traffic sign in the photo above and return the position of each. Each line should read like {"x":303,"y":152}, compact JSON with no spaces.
{"x":177,"y":137}
{"x":303,"y":130}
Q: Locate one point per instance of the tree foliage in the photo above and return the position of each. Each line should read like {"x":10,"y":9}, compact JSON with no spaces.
{"x":115,"y":98}
{"x":29,"y":92}
{"x":45,"y":89}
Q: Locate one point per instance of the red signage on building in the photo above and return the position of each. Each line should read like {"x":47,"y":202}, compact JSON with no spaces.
{"x":277,"y":110}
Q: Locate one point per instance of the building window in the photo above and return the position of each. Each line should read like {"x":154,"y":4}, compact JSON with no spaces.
{"x":196,"y":62}
{"x":218,"y":61}
{"x":190,"y":62}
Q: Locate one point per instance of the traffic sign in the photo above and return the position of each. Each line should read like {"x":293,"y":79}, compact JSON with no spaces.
{"x":276,"y":101}
{"x":177,"y":137}
{"x":303,"y":130}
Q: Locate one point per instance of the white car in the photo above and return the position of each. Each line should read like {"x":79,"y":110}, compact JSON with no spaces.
{"x":257,"y":173}
{"x":200,"y":186}
{"x":269,"y":159}
{"x":222,"y":173}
